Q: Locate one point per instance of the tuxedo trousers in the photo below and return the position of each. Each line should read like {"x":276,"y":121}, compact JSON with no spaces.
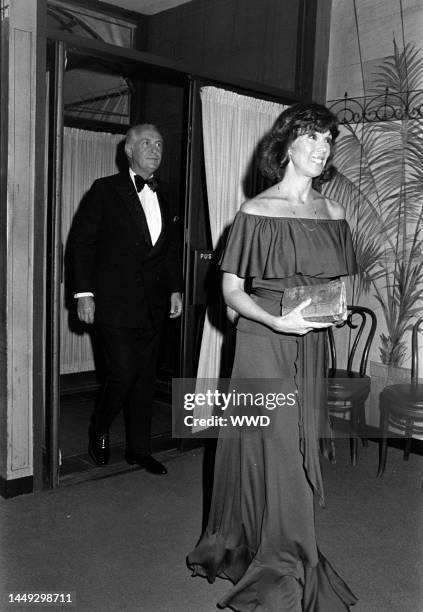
{"x":130,"y":356}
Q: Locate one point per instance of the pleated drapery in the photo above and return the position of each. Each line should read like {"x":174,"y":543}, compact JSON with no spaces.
{"x":86,"y":156}
{"x":233,"y":125}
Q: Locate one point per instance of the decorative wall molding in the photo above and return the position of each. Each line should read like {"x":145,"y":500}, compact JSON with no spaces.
{"x":19,"y":281}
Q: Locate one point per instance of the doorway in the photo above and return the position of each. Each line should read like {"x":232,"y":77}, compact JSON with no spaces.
{"x":93,"y":100}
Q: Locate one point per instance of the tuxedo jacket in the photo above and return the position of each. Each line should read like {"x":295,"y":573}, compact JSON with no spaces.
{"x":113,"y":256}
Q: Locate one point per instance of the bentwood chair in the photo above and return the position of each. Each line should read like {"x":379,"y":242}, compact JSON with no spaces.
{"x":401,"y":406}
{"x":348,"y":388}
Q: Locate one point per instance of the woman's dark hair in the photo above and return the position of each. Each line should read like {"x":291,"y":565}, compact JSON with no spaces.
{"x":301,"y":118}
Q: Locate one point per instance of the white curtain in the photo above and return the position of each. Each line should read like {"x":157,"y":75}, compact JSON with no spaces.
{"x":233,"y":125}
{"x":86,"y":157}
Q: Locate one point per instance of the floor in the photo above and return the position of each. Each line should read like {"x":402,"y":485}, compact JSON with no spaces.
{"x":119,"y":543}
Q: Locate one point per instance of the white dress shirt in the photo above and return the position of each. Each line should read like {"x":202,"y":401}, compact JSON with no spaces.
{"x":150,"y":204}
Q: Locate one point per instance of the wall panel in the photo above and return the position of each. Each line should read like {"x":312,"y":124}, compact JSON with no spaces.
{"x":245,"y":39}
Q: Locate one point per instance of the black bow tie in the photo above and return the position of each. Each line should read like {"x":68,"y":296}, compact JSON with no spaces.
{"x":140,"y":182}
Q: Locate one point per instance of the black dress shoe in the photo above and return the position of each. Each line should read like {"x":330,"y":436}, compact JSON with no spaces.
{"x":98,"y":449}
{"x":146,"y":461}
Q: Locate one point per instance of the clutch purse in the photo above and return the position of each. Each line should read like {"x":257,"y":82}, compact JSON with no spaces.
{"x":328,"y":301}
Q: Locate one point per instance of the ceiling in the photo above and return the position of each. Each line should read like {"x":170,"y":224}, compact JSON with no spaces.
{"x":147,"y":7}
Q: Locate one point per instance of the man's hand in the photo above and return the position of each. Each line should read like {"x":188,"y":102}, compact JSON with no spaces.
{"x":175,"y":305}
{"x":85,"y":309}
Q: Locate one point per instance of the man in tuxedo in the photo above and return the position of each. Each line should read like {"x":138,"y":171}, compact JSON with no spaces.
{"x":127,"y":279}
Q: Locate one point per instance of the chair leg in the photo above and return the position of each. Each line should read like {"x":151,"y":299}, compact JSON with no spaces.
{"x":353,"y":450}
{"x":354,"y":427}
{"x":362,"y":424}
{"x":383,"y":445}
{"x":408,"y":438}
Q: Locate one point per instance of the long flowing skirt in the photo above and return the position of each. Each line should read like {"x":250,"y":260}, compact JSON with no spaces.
{"x":260,"y":533}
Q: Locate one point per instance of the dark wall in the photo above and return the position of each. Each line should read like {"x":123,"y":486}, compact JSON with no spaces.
{"x":256,"y":40}
{"x":163,"y":104}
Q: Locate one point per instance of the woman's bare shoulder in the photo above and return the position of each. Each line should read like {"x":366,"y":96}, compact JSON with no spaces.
{"x":252,"y":207}
{"x":335,"y":209}
{"x":263,"y":203}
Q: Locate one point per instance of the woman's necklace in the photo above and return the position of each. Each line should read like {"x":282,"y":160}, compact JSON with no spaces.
{"x":306,"y":226}
{"x":310,"y":228}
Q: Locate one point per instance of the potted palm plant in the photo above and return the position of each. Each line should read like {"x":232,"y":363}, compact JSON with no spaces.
{"x":379,"y":179}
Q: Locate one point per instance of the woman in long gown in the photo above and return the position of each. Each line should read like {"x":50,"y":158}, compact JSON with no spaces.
{"x":260,"y":533}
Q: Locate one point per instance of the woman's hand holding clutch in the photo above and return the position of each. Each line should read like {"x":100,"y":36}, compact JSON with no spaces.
{"x":294,"y":322}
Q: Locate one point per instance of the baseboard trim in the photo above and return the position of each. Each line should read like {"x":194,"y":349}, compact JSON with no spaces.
{"x":17,"y":486}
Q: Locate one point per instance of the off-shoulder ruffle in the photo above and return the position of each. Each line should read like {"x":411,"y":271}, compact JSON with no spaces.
{"x":280,"y":247}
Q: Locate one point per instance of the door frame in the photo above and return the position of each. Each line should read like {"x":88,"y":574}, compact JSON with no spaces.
{"x":54,"y":267}
{"x":54,"y":247}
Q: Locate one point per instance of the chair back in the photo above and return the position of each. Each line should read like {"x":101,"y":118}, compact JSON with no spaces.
{"x":415,"y":351}
{"x":366,"y":328}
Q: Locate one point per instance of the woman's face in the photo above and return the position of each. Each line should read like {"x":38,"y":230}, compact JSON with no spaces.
{"x":309,"y":152}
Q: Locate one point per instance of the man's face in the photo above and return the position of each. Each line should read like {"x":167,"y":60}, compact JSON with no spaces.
{"x":144,"y":151}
